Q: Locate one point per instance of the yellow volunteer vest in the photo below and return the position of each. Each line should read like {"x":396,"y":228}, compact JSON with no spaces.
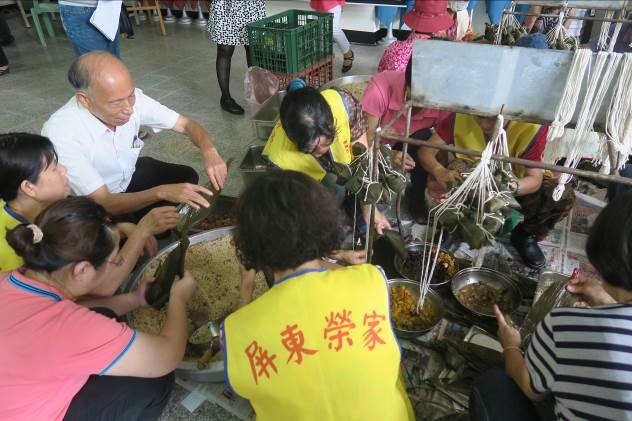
{"x":8,"y":259}
{"x":284,"y":153}
{"x":520,"y":135}
{"x":318,"y":346}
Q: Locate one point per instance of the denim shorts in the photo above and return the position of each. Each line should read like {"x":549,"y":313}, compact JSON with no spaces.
{"x":84,"y":36}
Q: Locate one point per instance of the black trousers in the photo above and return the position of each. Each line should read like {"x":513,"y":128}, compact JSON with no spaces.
{"x":496,"y":397}
{"x":5,"y":33}
{"x":120,"y":398}
{"x":150,"y":173}
{"x":418,"y":176}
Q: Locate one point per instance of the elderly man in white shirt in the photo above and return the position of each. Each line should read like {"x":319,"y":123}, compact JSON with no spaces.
{"x":96,"y":137}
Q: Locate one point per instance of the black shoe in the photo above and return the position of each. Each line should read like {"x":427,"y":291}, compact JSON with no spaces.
{"x":229,"y":105}
{"x":527,"y":248}
{"x":7,"y":41}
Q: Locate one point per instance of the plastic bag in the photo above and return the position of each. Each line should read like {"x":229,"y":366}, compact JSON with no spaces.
{"x":259,"y":85}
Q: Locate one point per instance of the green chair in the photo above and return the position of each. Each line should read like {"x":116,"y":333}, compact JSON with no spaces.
{"x":43,"y":8}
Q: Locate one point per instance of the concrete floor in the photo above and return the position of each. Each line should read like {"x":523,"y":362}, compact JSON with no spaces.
{"x":179,"y":71}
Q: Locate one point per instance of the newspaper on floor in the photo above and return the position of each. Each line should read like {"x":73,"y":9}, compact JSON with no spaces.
{"x":222,"y":395}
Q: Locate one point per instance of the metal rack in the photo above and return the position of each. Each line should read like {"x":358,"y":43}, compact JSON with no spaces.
{"x":483,"y":89}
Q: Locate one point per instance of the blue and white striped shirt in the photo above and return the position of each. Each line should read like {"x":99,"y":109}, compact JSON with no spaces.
{"x":584,"y":358}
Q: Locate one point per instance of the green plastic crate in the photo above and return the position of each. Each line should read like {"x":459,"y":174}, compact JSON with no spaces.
{"x":291,"y":41}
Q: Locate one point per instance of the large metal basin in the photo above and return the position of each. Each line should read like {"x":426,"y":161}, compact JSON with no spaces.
{"x":346,"y":80}
{"x":214,"y":373}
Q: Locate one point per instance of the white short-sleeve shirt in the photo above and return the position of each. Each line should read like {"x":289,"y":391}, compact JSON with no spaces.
{"x":95,"y":155}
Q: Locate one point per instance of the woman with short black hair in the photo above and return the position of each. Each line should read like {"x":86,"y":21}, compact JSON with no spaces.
{"x":316,"y":130}
{"x":61,"y":360}
{"x":317,"y":333}
{"x":580,"y":356}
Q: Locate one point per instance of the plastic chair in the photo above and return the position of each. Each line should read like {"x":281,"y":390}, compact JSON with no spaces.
{"x":43,"y":8}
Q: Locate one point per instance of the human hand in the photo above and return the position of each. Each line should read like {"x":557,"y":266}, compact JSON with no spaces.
{"x":215,"y":168}
{"x":159,"y":220}
{"x":590,"y":290}
{"x":380,"y":222}
{"x":445,"y":176}
{"x":351,"y":257}
{"x":409,"y":162}
{"x":142,"y":289}
{"x":508,"y":335}
{"x":185,"y":193}
{"x":183,"y":288}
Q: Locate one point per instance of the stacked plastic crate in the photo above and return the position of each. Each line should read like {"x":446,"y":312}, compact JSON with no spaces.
{"x":295,"y":43}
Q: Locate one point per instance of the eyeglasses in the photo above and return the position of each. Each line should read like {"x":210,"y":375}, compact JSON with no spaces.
{"x":118,"y":262}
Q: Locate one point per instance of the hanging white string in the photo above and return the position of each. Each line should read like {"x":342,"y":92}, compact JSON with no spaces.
{"x":559,"y":31}
{"x":508,"y":20}
{"x":572,"y":88}
{"x":601,"y":76}
{"x":472,"y":193}
{"x":619,"y":118}
{"x":617,"y":30}
{"x":602,"y":42}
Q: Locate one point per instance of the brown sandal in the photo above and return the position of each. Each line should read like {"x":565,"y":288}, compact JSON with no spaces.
{"x":347,"y":63}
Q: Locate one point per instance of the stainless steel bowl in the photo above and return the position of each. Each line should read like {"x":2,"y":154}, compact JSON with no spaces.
{"x":488,"y":277}
{"x":432,"y":298}
{"x":416,"y":248}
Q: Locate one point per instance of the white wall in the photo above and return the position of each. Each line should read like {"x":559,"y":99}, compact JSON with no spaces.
{"x":355,"y":17}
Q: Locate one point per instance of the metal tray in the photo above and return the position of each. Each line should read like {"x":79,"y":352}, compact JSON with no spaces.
{"x":265,"y":119}
{"x":490,"y":277}
{"x":253,"y":165}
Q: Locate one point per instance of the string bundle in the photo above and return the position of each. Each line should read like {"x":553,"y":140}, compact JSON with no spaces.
{"x":474,"y":193}
{"x":599,"y":80}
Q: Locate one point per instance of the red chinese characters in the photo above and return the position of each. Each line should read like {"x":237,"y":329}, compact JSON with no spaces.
{"x":294,"y":341}
{"x":260,"y":361}
{"x":372,"y":334}
{"x":338,"y":329}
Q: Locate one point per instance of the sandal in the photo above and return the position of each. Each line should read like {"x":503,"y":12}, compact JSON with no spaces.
{"x":347,"y":63}
{"x":4,"y":71}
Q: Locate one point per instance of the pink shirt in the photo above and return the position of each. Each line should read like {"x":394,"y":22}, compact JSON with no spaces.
{"x":384,"y":97}
{"x":325,"y":5}
{"x":49,"y":348}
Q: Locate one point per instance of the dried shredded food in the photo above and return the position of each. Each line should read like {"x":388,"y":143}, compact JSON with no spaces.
{"x":404,"y":310}
{"x":481,"y":298}
{"x":215,"y":268}
{"x":445,"y":269}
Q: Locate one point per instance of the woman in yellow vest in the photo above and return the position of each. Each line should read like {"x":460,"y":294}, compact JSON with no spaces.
{"x":533,"y":190}
{"x":319,"y":345}
{"x":314,"y":131}
{"x":32,"y":180}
